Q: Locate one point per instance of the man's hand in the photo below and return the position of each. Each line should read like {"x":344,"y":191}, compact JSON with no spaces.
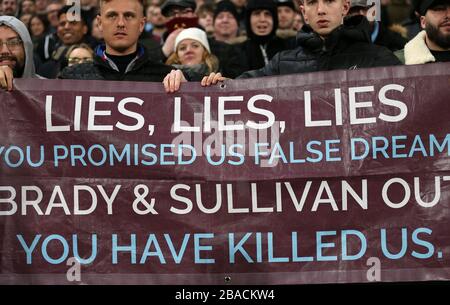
{"x":212,"y":79}
{"x":173,"y":80}
{"x":169,"y":44}
{"x":6,"y":78}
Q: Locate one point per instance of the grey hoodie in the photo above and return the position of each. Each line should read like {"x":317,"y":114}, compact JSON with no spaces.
{"x":29,"y":71}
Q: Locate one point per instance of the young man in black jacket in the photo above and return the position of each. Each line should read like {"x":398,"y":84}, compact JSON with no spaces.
{"x":121,"y":58}
{"x":325,"y":43}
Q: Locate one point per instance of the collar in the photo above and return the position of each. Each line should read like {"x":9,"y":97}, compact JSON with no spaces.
{"x":101,"y":53}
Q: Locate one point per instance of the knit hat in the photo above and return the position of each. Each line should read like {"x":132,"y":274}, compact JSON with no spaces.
{"x":288,"y":3}
{"x":169,"y":4}
{"x":253,"y":5}
{"x":194,"y":34}
{"x":226,"y":6}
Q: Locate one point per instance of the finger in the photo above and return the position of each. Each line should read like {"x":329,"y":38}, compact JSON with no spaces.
{"x":210,"y":79}
{"x":166,"y":83}
{"x":3,"y":82}
{"x":172,"y":81}
{"x":218,"y":78}
{"x":9,"y":79}
{"x":178,"y":75}
{"x":203,"y":82}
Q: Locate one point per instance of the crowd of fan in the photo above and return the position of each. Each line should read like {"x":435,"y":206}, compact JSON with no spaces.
{"x":227,"y":38}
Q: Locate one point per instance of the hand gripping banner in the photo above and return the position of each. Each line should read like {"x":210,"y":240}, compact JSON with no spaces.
{"x":330,"y":177}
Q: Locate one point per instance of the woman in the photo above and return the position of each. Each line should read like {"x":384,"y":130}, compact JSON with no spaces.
{"x":38,"y":27}
{"x":192,"y":54}
{"x":79,"y":53}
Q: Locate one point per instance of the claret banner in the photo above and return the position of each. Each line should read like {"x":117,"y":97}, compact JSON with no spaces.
{"x":330,"y":177}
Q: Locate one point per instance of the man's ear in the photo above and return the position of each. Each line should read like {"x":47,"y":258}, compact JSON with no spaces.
{"x":302,"y":9}
{"x":99,"y":23}
{"x":422,"y":22}
{"x":142,"y":24}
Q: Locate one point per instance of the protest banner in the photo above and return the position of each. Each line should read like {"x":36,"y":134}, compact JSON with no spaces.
{"x":328,"y":177}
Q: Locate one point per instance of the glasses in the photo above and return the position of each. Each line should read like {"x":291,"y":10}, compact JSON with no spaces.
{"x":77,"y":60}
{"x":175,"y":12}
{"x":12,"y":43}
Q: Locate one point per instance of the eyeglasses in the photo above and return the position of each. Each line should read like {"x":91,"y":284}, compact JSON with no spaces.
{"x":12,"y":43}
{"x":175,"y":12}
{"x":77,"y":60}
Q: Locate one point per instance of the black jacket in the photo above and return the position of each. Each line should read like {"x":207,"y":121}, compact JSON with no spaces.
{"x":347,"y":47}
{"x":142,"y":69}
{"x":254,"y":58}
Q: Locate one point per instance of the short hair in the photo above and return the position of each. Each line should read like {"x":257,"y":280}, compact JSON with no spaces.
{"x":141,"y":2}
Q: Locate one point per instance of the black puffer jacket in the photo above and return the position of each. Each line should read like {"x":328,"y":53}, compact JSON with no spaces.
{"x":142,"y":69}
{"x":347,"y":47}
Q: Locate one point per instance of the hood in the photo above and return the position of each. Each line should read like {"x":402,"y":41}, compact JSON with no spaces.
{"x":253,"y":5}
{"x":18,"y":26}
{"x":354,"y":29}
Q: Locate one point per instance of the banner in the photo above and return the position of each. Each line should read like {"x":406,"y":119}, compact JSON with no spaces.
{"x":330,"y":177}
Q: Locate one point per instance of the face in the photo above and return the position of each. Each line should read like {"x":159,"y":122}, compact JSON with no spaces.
{"x":225,"y":24}
{"x":324,"y":15}
{"x":25,"y":18}
{"x":178,"y":11}
{"x":28,"y":7}
{"x":206,"y":21}
{"x":436,"y":23}
{"x":155,"y":17}
{"x":121,"y":23}
{"x":78,"y":56}
{"x":52,"y":14}
{"x":70,"y":32}
{"x":239,"y":3}
{"x":14,"y":54}
{"x":286,"y":17}
{"x":37,"y":27}
{"x":190,"y":52}
{"x":261,"y":22}
{"x":9,"y":7}
{"x":298,"y":22}
{"x":41,"y":5}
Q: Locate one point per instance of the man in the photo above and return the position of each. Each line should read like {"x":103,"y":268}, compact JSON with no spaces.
{"x":286,"y":14}
{"x":9,"y":7}
{"x":121,"y":58}
{"x":433,"y":43}
{"x":225,"y":22}
{"x":52,"y":11}
{"x":68,"y":33}
{"x":156,"y":23}
{"x":325,"y":43}
{"x":16,"y":52}
{"x":28,"y":7}
{"x":380,"y":34}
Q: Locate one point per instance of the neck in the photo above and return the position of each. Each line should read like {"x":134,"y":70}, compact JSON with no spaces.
{"x":433,"y":46}
{"x":223,"y":38}
{"x":114,"y":52}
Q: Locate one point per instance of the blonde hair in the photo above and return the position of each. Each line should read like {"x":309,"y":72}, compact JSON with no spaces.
{"x":210,"y":60}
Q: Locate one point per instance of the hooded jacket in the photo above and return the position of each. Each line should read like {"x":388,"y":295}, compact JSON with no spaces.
{"x":259,"y":49}
{"x":347,"y":47}
{"x":15,"y":24}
